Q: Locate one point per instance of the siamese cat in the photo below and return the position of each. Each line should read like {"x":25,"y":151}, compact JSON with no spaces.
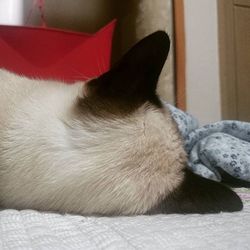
{"x":107,"y":146}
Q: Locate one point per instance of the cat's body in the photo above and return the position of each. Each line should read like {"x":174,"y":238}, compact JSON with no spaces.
{"x":48,"y":160}
{"x":92,"y":148}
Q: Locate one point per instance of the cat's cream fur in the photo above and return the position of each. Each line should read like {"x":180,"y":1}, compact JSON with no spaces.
{"x":51,"y":160}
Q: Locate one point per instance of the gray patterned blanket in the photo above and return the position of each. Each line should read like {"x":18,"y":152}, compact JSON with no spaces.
{"x":218,"y":151}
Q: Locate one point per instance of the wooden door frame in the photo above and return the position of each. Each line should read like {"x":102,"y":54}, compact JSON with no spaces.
{"x":227,"y":59}
{"x":180,"y":53}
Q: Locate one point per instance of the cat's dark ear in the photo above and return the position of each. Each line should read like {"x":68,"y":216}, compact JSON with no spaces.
{"x":200,"y":195}
{"x":136,"y":74}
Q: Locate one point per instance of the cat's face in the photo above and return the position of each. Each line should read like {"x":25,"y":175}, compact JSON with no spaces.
{"x":122,"y":106}
{"x":123,"y":121}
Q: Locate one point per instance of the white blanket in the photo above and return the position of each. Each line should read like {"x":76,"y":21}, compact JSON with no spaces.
{"x":29,"y":229}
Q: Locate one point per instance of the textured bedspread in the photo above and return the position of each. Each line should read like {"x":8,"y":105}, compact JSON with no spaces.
{"x":216,"y":150}
{"x":33,"y":230}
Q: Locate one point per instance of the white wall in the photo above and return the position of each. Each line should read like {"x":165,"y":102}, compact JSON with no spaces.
{"x":11,"y":12}
{"x":203,"y":83}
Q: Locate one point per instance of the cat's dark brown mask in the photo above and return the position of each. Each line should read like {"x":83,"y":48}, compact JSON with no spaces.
{"x":126,"y":87}
{"x":133,"y":80}
{"x":199,"y":195}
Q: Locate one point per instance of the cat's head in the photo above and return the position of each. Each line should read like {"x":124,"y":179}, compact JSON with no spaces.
{"x":133,"y":142}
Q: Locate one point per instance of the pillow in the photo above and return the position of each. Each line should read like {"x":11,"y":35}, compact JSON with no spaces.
{"x":55,"y":54}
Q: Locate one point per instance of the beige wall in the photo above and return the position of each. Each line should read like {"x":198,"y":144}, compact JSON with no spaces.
{"x":203,"y":81}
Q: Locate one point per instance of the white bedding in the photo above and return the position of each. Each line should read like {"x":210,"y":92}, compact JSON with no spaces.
{"x":34,"y":230}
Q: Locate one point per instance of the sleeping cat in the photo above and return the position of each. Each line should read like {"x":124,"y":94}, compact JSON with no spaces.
{"x":107,"y":146}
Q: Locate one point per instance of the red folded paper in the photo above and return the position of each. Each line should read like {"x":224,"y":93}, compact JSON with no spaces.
{"x":55,"y":54}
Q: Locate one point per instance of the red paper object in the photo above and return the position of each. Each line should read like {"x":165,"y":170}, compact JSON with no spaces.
{"x":55,"y":54}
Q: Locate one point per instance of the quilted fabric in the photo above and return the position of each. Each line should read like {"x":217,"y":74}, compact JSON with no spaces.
{"x":33,"y":230}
